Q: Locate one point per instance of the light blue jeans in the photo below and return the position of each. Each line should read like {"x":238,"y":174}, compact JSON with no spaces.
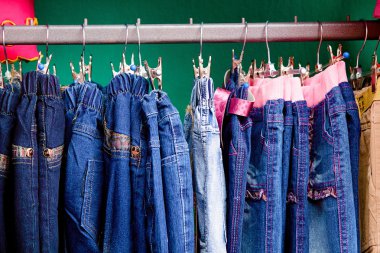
{"x":202,"y":134}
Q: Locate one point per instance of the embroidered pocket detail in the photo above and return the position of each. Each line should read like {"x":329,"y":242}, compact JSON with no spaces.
{"x":318,"y":194}
{"x":256,"y":194}
{"x":53,"y":153}
{"x":21,"y":152}
{"x":4,"y":163}
{"x":116,"y":141}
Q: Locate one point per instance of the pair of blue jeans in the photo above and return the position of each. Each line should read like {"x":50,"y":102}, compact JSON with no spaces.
{"x":262,"y":223}
{"x":354,"y":131}
{"x":236,"y":139}
{"x":83,"y":176}
{"x":297,"y":220}
{"x":125,"y":177}
{"x":169,"y":195}
{"x":8,"y":104}
{"x":36,"y":158}
{"x":330,"y":190}
{"x":203,"y":137}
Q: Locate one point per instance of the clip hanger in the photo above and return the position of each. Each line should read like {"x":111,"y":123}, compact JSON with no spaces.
{"x":375,"y":68}
{"x":286,"y":70}
{"x":154,"y":73}
{"x":202,"y":71}
{"x":16,"y":75}
{"x":1,"y":78}
{"x":43,"y":68}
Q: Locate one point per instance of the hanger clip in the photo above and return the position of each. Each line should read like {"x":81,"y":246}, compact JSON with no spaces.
{"x":154,"y":73}
{"x":43,"y":68}
{"x":16,"y":75}
{"x":1,"y":78}
{"x":288,"y":70}
{"x":339,"y":56}
{"x":84,"y":70}
{"x":375,"y":72}
{"x":202,"y":71}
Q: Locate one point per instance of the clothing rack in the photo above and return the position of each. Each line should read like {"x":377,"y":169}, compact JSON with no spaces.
{"x":190,"y":33}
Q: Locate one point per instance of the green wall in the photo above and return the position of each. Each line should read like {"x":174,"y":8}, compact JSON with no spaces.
{"x":177,"y":65}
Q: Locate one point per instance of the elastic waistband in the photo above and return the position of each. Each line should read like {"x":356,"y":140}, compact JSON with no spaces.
{"x":121,"y":83}
{"x":48,"y":85}
{"x":91,"y":96}
{"x":140,"y":86}
{"x":164,"y":105}
{"x":8,"y":101}
{"x":29,"y":83}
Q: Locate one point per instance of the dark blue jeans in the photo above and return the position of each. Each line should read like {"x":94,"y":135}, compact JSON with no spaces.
{"x":37,"y":153}
{"x":297,"y":232}
{"x":354,"y":130}
{"x":84,"y":171}
{"x":262,"y":227}
{"x":236,"y":153}
{"x":117,"y":147}
{"x":8,"y":105}
{"x":156,"y":231}
{"x":331,"y":201}
{"x":176,"y":173}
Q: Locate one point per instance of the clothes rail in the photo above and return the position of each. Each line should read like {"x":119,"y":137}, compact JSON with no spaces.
{"x":190,"y":33}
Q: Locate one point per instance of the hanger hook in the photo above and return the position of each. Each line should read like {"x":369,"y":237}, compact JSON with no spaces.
{"x":266,"y":41}
{"x":377,"y":44}
{"x":320,"y":41}
{"x":5,"y":49}
{"x":364,"y":42}
{"x":139,"y":43}
{"x":245,"y":41}
{"x":126,"y":39}
{"x":201,"y":42}
{"x":47,"y":40}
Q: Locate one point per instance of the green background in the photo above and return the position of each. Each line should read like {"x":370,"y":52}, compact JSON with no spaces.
{"x":177,"y":64}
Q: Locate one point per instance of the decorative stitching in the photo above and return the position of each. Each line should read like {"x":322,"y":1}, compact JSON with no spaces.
{"x":21,"y":152}
{"x":318,"y":194}
{"x":256,"y":194}
{"x":116,"y":141}
{"x":4,"y":163}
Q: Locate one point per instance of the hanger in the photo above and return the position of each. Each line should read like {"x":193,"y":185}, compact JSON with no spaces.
{"x":84,"y":69}
{"x":202,"y":71}
{"x":269,"y":67}
{"x":154,"y":73}
{"x":375,"y":68}
{"x":318,"y":66}
{"x":286,"y":70}
{"x":140,"y":71}
{"x":357,"y":72}
{"x":44,"y":68}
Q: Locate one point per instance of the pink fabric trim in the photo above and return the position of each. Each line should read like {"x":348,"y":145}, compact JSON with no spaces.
{"x":240,"y":107}
{"x":376,"y":12}
{"x":297,"y":94}
{"x":220,"y":102}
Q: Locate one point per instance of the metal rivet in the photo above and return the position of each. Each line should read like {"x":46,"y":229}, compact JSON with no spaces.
{"x":46,"y":152}
{"x":29,"y":152}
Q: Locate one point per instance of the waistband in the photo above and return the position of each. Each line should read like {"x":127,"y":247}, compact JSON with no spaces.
{"x":121,"y":83}
{"x":334,"y":101}
{"x":90,"y":96}
{"x":301,"y":111}
{"x":140,"y":86}
{"x":203,"y":93}
{"x":35,"y":83}
{"x":272,"y":110}
{"x":8,"y":101}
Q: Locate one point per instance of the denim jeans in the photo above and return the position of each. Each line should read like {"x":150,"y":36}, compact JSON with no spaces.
{"x":176,"y":173}
{"x":262,"y":227}
{"x":37,"y":153}
{"x":236,"y":151}
{"x":208,"y":174}
{"x":156,"y":231}
{"x":8,"y":105}
{"x":297,"y":233}
{"x":353,"y":125}
{"x":117,"y":147}
{"x":84,"y":171}
{"x":138,"y":165}
{"x":331,"y":201}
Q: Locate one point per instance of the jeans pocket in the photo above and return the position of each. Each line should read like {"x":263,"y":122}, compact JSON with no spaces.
{"x":54,"y":157}
{"x":93,"y":198}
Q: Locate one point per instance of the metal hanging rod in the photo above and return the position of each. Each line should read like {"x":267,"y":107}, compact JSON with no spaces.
{"x":190,"y":33}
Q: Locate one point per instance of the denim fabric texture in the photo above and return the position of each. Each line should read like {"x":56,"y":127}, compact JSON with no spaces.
{"x":156,"y":230}
{"x":176,"y":173}
{"x":8,"y":103}
{"x":297,"y":220}
{"x":208,"y":174}
{"x":330,"y":190}
{"x":84,"y":173}
{"x":354,"y":130}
